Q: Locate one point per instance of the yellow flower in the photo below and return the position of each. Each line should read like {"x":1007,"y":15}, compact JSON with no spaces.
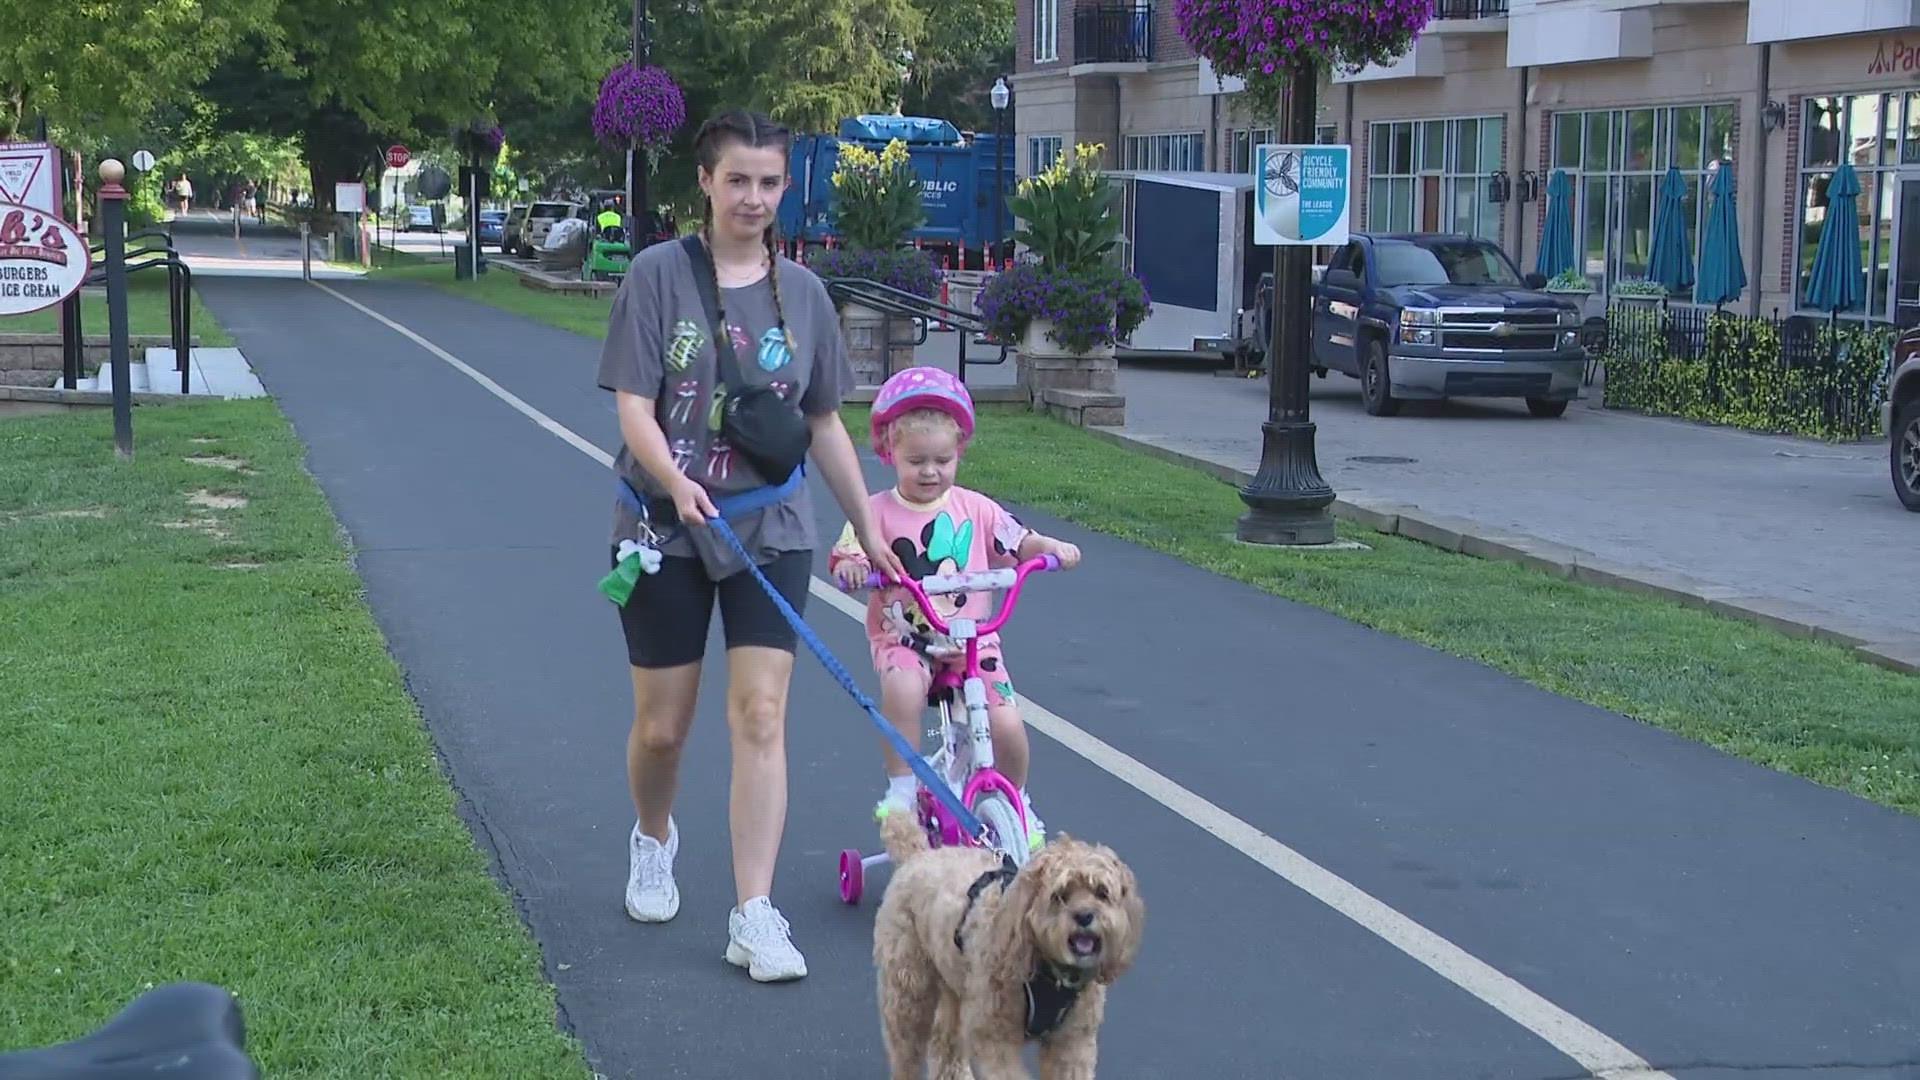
{"x":894,"y":154}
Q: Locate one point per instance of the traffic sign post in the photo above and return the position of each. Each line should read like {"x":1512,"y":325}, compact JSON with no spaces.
{"x":398,"y":156}
{"x":143,"y":160}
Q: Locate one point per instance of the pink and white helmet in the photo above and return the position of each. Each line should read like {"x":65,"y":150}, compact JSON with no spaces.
{"x":920,"y":388}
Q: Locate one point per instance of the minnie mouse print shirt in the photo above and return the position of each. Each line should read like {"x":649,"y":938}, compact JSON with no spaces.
{"x":962,"y":531}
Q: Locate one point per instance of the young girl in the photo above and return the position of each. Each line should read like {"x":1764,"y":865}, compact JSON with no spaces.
{"x":922,"y":419}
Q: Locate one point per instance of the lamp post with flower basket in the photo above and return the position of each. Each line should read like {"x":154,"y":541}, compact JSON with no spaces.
{"x":639,"y":110}
{"x":1281,"y":47}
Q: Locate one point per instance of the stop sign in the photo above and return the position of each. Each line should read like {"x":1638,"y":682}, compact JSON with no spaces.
{"x":398,"y":156}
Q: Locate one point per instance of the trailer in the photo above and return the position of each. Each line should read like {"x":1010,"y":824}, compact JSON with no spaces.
{"x":957,"y":185}
{"x":1188,"y":236}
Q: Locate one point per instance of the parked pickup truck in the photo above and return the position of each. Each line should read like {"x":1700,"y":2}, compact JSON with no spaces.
{"x":1900,"y":418}
{"x":1430,"y":316}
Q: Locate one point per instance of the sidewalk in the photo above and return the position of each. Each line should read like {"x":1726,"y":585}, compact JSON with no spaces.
{"x":1798,"y":535}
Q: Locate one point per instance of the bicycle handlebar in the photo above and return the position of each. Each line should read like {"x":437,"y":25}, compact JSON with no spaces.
{"x":1010,"y":580}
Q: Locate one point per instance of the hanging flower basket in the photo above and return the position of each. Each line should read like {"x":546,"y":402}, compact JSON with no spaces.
{"x":639,"y":108}
{"x":480,"y":139}
{"x":1264,"y":41}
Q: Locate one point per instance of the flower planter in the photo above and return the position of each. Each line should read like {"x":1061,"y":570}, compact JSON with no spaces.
{"x":865,"y":331}
{"x":1073,"y":385}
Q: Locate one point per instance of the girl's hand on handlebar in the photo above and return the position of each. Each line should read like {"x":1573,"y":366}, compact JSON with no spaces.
{"x":1068,"y":554}
{"x":852,"y":573}
{"x":691,"y":501}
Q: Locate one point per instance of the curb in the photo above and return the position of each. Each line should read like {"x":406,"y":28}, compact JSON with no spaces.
{"x":1883,"y":648}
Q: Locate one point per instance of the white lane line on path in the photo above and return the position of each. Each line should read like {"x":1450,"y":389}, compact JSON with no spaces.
{"x":1601,"y":1056}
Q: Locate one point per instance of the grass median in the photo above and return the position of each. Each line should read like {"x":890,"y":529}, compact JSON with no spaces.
{"x":213,"y":771}
{"x":1806,"y":708}
{"x":147,"y":313}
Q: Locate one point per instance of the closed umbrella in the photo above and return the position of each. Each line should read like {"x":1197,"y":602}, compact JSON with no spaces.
{"x":1671,"y":261}
{"x":1556,"y":235}
{"x":1835,"y":285}
{"x":1723,"y":275}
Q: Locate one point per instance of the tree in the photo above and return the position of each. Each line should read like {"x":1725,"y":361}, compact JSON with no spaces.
{"x":81,"y":65}
{"x":965,"y":46}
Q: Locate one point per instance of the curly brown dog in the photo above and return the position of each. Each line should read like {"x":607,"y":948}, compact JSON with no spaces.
{"x":973,"y":965}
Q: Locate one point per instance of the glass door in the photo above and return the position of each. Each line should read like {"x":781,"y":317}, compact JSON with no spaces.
{"x":1903,"y":299}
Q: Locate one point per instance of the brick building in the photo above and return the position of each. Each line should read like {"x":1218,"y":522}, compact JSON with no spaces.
{"x":1611,"y":91}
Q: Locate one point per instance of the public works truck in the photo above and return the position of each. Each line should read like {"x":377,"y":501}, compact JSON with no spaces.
{"x":958,"y":186}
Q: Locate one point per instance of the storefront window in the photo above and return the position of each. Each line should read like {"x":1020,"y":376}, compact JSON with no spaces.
{"x":1876,"y":133}
{"x":1433,"y":175}
{"x":1617,"y":157}
{"x":1183,"y":152}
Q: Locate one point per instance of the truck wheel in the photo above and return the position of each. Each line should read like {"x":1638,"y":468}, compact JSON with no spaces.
{"x":1545,"y":409}
{"x":1376,"y":391}
{"x":1906,"y":454}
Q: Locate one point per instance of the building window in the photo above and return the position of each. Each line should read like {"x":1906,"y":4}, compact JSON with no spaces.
{"x":1042,"y":152}
{"x":1241,"y":143}
{"x":1617,"y":158}
{"x":1878,"y":133}
{"x":1432,"y":176}
{"x":1046,"y":31}
{"x":1184,"y":152}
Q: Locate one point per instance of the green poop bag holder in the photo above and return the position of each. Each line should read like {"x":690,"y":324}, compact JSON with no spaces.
{"x":641,"y":555}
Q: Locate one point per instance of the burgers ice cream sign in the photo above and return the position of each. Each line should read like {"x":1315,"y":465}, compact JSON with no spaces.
{"x":42,"y":260}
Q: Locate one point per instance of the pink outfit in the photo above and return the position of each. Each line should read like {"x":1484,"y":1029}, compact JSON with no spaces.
{"x":961,"y":532}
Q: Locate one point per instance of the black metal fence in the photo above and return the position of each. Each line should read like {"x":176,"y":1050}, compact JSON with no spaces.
{"x":1113,"y":33}
{"x":1469,"y":9}
{"x":1823,"y":378}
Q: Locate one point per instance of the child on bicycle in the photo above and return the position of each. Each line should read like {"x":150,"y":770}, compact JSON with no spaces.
{"x":922,"y":420}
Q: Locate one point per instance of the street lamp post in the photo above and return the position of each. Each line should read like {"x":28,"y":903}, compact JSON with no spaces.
{"x":636,"y":163}
{"x":113,"y":225}
{"x":1287,"y":500}
{"x":1001,"y":98}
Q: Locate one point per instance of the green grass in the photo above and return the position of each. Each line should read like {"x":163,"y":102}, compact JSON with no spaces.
{"x":578,"y":312}
{"x":212,"y":771}
{"x":146,"y":313}
{"x":1806,"y":708}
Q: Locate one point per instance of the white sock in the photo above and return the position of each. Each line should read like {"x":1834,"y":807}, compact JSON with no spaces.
{"x":901,"y":787}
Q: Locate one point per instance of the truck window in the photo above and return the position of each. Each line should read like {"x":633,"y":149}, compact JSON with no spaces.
{"x":1457,"y":263}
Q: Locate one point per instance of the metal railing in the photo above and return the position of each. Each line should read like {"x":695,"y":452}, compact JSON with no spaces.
{"x":179,"y":305}
{"x":1470,"y":9}
{"x":1113,"y":33}
{"x":921,"y":311}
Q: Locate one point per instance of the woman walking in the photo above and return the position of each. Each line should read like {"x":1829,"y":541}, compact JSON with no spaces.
{"x":689,"y":320}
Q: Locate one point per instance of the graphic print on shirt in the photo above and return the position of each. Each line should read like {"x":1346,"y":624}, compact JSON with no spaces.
{"x":719,"y":460}
{"x":719,"y":406}
{"x":685,"y":344}
{"x":739,"y":339}
{"x":683,"y":451}
{"x":944,"y":548}
{"x":686,"y":399}
{"x":774,"y":353}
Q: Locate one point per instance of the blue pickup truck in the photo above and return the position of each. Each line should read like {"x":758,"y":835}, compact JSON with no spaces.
{"x":1425,"y":317}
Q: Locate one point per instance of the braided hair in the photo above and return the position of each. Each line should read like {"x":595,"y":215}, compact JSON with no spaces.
{"x":754,"y":131}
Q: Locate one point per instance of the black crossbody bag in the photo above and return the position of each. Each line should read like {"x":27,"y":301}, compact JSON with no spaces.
{"x":757,"y":422}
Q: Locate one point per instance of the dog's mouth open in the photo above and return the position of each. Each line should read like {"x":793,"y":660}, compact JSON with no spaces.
{"x":1084,"y":943}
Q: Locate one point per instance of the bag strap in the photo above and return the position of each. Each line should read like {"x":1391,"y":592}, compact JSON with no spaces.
{"x":707,"y":283}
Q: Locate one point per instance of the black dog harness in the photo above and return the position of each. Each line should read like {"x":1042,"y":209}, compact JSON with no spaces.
{"x":1051,"y":989}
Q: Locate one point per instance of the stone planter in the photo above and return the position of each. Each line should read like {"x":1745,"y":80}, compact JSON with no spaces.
{"x":1081,"y":388}
{"x":1638,"y":299}
{"x":872,"y":356}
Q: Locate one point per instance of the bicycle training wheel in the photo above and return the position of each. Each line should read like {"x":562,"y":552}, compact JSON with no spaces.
{"x":1003,"y":822}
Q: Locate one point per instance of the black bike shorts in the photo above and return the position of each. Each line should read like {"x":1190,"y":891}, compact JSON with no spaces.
{"x":665,"y":620}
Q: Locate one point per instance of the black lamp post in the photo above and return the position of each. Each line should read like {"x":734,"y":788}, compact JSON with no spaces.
{"x":1001,"y":98}
{"x":637,"y":218}
{"x":1287,"y":499}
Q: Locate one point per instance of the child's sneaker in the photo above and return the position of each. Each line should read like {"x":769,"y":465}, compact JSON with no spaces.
{"x":651,"y":894}
{"x":1036,"y":829}
{"x":899,"y":797}
{"x":759,"y":940}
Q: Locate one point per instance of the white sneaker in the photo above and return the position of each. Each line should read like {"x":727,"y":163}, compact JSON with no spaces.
{"x":1036,"y":829}
{"x":651,"y":894}
{"x":758,"y":940}
{"x":892,"y":801}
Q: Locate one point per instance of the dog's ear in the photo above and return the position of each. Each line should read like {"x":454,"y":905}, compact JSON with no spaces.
{"x":1118,"y":954}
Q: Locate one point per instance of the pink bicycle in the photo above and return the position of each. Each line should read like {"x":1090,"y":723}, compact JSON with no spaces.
{"x":965,"y":757}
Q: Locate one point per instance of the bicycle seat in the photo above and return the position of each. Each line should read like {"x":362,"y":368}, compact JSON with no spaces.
{"x":183,"y":1031}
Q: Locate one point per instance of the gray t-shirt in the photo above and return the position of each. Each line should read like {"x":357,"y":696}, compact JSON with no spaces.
{"x":659,"y":345}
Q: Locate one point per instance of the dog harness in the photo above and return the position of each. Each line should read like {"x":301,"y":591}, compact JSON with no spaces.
{"x":1051,"y":989}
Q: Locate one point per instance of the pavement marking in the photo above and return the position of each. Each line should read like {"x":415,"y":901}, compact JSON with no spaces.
{"x":1594,"y":1050}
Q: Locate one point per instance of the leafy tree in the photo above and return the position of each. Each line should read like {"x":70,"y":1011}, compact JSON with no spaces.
{"x":966,"y":45}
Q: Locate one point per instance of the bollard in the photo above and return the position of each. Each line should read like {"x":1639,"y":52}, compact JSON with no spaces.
{"x":306,"y":252}
{"x":113,"y":221}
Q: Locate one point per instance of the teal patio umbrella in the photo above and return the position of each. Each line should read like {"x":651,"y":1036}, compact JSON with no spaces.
{"x":1835,"y":285}
{"x":1556,"y":235}
{"x":1671,"y":261}
{"x":1723,"y":276}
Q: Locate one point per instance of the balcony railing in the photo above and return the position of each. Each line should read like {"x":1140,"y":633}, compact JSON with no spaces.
{"x":1470,"y":9}
{"x":1113,"y":33}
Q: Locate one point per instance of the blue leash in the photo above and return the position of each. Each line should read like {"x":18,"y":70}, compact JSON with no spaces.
{"x":758,"y":499}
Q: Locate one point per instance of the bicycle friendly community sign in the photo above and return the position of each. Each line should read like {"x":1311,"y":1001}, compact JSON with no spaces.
{"x":42,"y":260}
{"x":1301,"y":195}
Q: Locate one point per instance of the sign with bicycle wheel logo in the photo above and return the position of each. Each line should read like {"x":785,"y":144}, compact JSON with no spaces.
{"x":1300,"y":194}
{"x":42,"y":260}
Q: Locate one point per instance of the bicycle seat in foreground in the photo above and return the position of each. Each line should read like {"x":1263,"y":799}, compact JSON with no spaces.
{"x":180,"y":1031}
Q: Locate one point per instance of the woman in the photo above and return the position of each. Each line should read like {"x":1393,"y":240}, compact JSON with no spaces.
{"x":660,"y":362}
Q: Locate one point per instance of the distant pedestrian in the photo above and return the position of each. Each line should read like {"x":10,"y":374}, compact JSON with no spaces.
{"x":183,"y":193}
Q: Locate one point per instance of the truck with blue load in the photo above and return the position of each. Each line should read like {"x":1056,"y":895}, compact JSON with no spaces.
{"x":957,"y":178}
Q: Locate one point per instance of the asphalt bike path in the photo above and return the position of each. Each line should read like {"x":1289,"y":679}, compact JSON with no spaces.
{"x":1361,"y":858}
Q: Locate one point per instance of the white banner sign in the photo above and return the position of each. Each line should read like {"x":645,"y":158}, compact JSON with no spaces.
{"x":1301,"y":194}
{"x":42,"y":260}
{"x":30,"y":176}
{"x":350,"y":198}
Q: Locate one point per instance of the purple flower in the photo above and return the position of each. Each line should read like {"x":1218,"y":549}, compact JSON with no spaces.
{"x":638,"y":107}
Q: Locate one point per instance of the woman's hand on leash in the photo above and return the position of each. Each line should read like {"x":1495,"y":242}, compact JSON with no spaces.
{"x":691,"y":501}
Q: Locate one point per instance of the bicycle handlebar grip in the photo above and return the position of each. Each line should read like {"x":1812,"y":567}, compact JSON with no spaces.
{"x":877,"y":581}
{"x":1052,"y":562}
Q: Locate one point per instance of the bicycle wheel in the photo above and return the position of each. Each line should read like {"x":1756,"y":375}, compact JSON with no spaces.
{"x":1003,"y":821}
